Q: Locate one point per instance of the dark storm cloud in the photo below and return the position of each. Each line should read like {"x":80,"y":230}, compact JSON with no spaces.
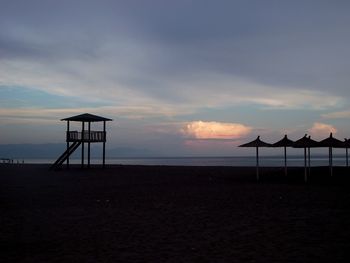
{"x":295,"y":43}
{"x":301,"y":44}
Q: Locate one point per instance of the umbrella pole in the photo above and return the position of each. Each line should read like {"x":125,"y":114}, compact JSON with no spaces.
{"x":305,"y":173}
{"x":331,"y":160}
{"x":285,"y":160}
{"x":257,"y":163}
{"x":309,"y":160}
{"x":347,"y":159}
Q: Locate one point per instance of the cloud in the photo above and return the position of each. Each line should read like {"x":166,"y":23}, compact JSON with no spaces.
{"x":337,"y":115}
{"x":215,"y":130}
{"x":132,"y":88}
{"x":215,"y":90}
{"x":174,"y":62}
{"x":17,"y":115}
{"x":158,"y":59}
{"x":321,"y":130}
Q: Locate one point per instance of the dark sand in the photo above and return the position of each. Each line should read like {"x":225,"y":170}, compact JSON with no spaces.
{"x":173,"y":214}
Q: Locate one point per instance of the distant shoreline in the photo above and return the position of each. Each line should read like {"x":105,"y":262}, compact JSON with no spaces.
{"x":268,"y":161}
{"x":269,"y":174}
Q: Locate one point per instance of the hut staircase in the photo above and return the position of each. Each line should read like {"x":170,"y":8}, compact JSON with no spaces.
{"x":65,"y":155}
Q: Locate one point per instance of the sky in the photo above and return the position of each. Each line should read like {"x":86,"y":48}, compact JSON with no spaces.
{"x":178,"y":78}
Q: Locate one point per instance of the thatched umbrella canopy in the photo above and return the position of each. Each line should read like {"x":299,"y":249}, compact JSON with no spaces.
{"x":256,"y":144}
{"x":285,"y":142}
{"x":306,"y":143}
{"x":331,"y":143}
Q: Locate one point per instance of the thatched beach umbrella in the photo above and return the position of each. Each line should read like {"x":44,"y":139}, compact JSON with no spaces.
{"x":306,"y":143}
{"x":256,"y":143}
{"x":331,"y":143}
{"x":285,"y":142}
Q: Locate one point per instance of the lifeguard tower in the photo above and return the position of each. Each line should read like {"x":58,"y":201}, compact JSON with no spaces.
{"x":76,"y":138}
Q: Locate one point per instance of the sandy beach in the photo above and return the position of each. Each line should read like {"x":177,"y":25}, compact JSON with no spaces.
{"x":173,"y":214}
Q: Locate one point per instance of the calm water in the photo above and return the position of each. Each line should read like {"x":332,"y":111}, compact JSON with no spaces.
{"x":210,"y":161}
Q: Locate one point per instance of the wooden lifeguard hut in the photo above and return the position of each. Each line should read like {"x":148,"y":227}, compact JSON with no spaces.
{"x":86,"y":136}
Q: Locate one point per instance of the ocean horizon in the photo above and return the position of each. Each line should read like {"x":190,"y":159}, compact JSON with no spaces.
{"x":273,"y":161}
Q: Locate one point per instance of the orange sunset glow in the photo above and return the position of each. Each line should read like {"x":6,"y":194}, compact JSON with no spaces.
{"x":215,"y":130}
{"x":321,"y":130}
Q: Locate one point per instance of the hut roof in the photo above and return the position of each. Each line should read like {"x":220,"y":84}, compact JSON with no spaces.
{"x":305,"y":142}
{"x":347,"y":142}
{"x":285,"y":142}
{"x":331,"y":142}
{"x":86,"y":117}
{"x":343,"y":144}
{"x":256,"y":143}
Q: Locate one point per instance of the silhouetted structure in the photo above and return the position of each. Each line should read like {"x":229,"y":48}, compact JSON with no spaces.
{"x":331,"y":143}
{"x":346,"y":145}
{"x":285,"y":142}
{"x":256,"y":143}
{"x":306,"y":143}
{"x":81,"y":138}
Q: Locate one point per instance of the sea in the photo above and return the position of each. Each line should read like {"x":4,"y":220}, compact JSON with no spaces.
{"x":270,"y":161}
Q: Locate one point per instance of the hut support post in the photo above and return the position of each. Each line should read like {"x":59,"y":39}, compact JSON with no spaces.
{"x":285,"y":160}
{"x":309,"y":160}
{"x":67,"y":139}
{"x":89,"y":131}
{"x":305,"y":166}
{"x":82,"y":144}
{"x":257,"y":163}
{"x":104,"y":145}
{"x":331,"y":160}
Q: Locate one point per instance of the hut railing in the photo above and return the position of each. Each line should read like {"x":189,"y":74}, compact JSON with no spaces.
{"x":93,"y":136}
